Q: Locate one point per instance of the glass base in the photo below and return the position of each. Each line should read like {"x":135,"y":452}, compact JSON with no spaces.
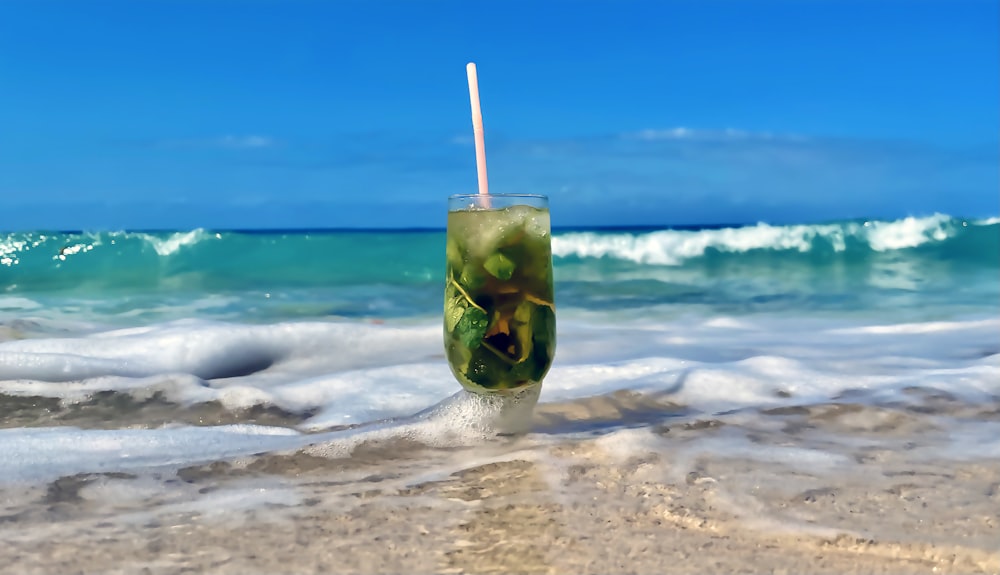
{"x":509,"y":413}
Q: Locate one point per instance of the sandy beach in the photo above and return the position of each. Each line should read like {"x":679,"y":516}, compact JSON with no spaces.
{"x":643,"y":489}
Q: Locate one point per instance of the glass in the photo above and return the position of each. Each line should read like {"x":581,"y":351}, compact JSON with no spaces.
{"x":499,"y":313}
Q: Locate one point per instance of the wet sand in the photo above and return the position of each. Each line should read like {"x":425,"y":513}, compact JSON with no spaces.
{"x":620,"y":484}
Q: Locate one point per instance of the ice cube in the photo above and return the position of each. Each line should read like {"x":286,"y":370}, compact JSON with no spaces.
{"x":537,"y":224}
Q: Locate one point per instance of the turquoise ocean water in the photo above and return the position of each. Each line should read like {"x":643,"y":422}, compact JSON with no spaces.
{"x":933,"y":266}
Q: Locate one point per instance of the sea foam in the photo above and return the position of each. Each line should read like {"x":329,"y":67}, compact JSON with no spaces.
{"x":346,"y":373}
{"x":674,"y":247}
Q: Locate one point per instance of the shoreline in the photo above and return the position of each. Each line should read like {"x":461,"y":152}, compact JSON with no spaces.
{"x":829,"y":488}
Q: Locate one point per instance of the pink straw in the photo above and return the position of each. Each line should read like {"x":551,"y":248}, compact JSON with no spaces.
{"x":477,"y":128}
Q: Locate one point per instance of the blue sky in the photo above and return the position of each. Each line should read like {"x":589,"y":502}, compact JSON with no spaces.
{"x":294,"y":113}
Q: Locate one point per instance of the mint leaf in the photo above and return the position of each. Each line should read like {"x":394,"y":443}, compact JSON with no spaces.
{"x":499,"y":266}
{"x":488,"y":371}
{"x":454,"y":309}
{"x":459,"y":357}
{"x":471,"y":328}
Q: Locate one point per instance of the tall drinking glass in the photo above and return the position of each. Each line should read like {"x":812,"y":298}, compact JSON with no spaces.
{"x":499,"y":316}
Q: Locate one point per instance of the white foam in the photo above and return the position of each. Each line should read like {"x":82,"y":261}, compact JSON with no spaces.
{"x":295,"y":366}
{"x":624,"y":444}
{"x":33,"y":455}
{"x":175,"y":241}
{"x":209,"y":350}
{"x":178,"y":388}
{"x":736,"y":445}
{"x":44,"y":454}
{"x":908,"y":232}
{"x":673,"y":247}
{"x":147,"y":499}
{"x":916,"y":328}
{"x":18,"y":303}
{"x":163,"y":246}
{"x":391,"y":391}
{"x":357,"y":373}
{"x":353,"y":373}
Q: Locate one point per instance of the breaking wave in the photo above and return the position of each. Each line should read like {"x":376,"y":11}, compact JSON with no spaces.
{"x":849,"y":238}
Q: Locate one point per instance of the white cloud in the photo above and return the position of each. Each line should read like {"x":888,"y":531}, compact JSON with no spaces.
{"x":244,"y":142}
{"x":708,"y":135}
{"x":228,"y":141}
{"x":680,"y":133}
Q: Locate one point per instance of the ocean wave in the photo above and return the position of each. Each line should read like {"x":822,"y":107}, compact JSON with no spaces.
{"x":220,"y":261}
{"x":674,"y":247}
{"x":216,"y":260}
{"x":163,"y":243}
{"x":173,"y":242}
{"x":62,"y":246}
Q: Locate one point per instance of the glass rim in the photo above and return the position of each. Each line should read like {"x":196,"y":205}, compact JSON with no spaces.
{"x":513,"y":195}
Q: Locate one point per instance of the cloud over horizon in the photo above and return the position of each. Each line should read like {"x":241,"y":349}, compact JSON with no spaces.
{"x":723,"y":135}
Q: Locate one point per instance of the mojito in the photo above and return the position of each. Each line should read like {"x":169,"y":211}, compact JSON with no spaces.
{"x":499,"y":315}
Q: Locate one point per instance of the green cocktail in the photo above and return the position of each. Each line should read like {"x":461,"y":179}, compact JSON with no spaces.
{"x":499,"y":316}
